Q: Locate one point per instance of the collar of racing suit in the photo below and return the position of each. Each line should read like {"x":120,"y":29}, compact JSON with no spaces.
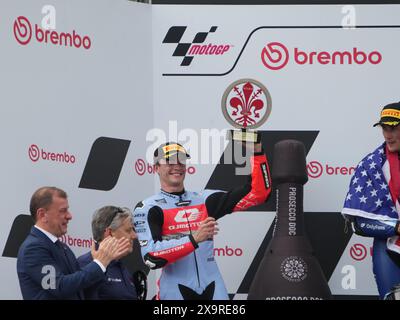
{"x":179,"y":196}
{"x":175,"y":195}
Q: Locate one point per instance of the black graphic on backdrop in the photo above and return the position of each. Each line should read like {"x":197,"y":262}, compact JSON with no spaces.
{"x":19,"y":230}
{"x":174,"y":35}
{"x":104,"y":163}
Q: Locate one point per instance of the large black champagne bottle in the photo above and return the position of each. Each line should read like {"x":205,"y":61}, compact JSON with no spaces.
{"x":289,"y":269}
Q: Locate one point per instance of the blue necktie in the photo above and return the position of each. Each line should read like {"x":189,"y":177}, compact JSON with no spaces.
{"x":70,"y":264}
{"x":63,"y":250}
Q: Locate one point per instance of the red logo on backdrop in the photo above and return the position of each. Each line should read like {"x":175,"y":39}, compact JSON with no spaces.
{"x":315,"y":169}
{"x":142,"y":167}
{"x":246,"y":103}
{"x":76,"y":242}
{"x":24,"y":31}
{"x":275,"y":56}
{"x":228,"y":252}
{"x":35,"y":153}
{"x":358,"y":252}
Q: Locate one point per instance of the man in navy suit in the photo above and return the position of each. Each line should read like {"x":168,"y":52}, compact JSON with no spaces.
{"x":119,"y":284}
{"x":48,"y":269}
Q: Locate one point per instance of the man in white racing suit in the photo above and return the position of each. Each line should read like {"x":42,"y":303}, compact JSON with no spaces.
{"x":175,"y":227}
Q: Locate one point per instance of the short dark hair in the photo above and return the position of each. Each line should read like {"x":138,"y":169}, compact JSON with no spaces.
{"x":43,"y":198}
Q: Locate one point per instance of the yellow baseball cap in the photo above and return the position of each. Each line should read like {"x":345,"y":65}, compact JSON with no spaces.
{"x":390,"y":115}
{"x":170,"y":150}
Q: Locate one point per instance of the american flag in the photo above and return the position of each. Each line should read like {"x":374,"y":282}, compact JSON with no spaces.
{"x":369,"y":194}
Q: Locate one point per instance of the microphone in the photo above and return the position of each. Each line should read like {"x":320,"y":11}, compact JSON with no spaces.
{"x":140,"y":281}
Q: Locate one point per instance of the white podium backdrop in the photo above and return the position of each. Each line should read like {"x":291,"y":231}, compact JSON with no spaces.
{"x":69,"y":107}
{"x":63,"y":99}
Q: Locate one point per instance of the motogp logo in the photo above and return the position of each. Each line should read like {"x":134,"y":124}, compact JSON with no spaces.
{"x":196,"y":47}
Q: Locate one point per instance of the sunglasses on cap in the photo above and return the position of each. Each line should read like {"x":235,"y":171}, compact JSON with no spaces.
{"x":114,"y":214}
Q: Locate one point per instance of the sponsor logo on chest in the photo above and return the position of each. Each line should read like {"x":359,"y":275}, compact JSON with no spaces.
{"x":183,"y":218}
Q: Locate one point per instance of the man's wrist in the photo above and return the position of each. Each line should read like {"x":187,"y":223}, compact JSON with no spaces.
{"x":103,"y":268}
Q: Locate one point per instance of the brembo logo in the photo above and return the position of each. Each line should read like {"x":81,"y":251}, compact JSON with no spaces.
{"x":195,"y":47}
{"x":359,"y":252}
{"x":276,"y":56}
{"x":142,"y":167}
{"x":24,"y":32}
{"x":35,"y":153}
{"x":315,"y":169}
{"x":228,"y":252}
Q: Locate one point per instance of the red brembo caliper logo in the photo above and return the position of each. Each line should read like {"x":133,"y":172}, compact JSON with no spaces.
{"x":22,"y":30}
{"x":275,"y":56}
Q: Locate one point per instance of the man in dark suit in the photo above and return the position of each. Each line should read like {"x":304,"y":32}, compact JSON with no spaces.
{"x":119,"y":284}
{"x":48,"y":269}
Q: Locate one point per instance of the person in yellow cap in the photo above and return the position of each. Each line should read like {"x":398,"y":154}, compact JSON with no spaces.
{"x":373,"y":201}
{"x":176,"y":227}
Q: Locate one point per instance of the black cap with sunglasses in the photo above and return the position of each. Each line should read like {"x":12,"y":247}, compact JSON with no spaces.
{"x":171,"y":151}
